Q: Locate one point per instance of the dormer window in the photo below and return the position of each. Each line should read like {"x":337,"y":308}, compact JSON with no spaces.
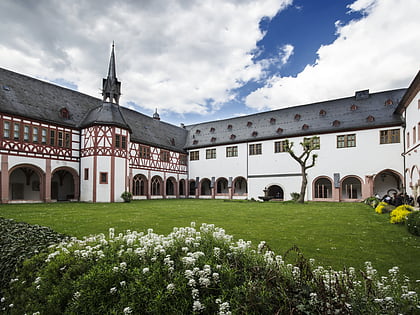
{"x":279,"y":130}
{"x":198,"y":131}
{"x":64,"y":113}
{"x":370,"y":118}
{"x":212,"y":130}
{"x":232,"y":137}
{"x":388,"y":102}
{"x":213,"y":139}
{"x":272,"y":120}
{"x":195,"y":141}
{"x":255,"y":133}
{"x":249,"y":124}
{"x":336,"y":123}
{"x":229,"y":127}
{"x":353,"y":107}
{"x":172,"y":141}
{"x":297,"y":117}
{"x":305,"y":127}
{"x":322,"y":112}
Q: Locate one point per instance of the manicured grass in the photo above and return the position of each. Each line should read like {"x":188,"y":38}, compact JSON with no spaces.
{"x":334,"y":234}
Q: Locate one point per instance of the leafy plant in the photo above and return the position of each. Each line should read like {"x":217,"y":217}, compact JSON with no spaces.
{"x":127,"y":196}
{"x":19,"y":241}
{"x":295,"y":196}
{"x":194,"y":271}
{"x":400,"y":213}
{"x":384,"y":207}
{"x":372,"y":201}
{"x":413,"y":223}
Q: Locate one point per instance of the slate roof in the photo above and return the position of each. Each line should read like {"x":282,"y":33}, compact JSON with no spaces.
{"x":30,"y":98}
{"x":346,"y":114}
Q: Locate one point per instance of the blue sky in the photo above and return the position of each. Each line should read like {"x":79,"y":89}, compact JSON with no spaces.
{"x":197,"y":61}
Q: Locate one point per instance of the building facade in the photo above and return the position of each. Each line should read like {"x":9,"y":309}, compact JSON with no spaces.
{"x":58,"y":144}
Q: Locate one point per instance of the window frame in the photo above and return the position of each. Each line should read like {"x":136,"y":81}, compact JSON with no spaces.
{"x":280,"y":146}
{"x":346,"y":141}
{"x":103,"y":178}
{"x":255,"y":149}
{"x":388,"y":136}
{"x":210,"y":154}
{"x":232,"y":151}
{"x":194,"y":155}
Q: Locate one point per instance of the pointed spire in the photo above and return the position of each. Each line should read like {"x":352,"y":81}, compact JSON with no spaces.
{"x":111,"y":87}
{"x":156,"y":115}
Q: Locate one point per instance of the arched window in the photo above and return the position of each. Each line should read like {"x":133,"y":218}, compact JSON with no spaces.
{"x":323,"y":188}
{"x":156,"y":186}
{"x":222,"y":186}
{"x":351,"y":188}
{"x":139,"y":185}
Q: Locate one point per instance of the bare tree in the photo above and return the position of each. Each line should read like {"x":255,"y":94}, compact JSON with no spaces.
{"x":308,"y":145}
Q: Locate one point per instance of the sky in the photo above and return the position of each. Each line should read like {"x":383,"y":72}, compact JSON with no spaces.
{"x":196,"y":61}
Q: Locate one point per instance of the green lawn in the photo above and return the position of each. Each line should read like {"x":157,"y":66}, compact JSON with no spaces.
{"x":335,"y":234}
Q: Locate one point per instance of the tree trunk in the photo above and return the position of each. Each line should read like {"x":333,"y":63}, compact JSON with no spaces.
{"x":303,"y":186}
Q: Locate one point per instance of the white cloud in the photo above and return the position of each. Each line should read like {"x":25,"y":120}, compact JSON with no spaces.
{"x":378,"y":52}
{"x":177,"y":55}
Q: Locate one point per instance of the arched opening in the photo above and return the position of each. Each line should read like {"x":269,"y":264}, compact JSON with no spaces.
{"x":191,"y":188}
{"x":222,"y":186}
{"x":170,"y":186}
{"x":181,"y":188}
{"x":156,"y":184}
{"x":387,"y":182}
{"x":351,"y":188}
{"x":323,"y":188}
{"x":63,"y":185}
{"x":240,"y":186}
{"x":139,"y":185}
{"x":205,"y":187}
{"x":276,"y":192}
{"x":26,"y":183}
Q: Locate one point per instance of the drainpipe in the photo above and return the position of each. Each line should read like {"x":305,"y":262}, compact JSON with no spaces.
{"x":404,"y":152}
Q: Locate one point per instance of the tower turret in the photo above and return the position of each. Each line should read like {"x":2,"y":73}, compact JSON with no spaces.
{"x":111,"y":87}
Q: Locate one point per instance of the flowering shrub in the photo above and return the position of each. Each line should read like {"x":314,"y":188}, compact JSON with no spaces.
{"x":383,"y":207}
{"x":413,"y":223}
{"x":399,"y":214}
{"x":193,"y":271}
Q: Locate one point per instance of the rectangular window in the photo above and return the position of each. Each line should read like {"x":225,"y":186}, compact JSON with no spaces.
{"x":346,"y":141}
{"x":67,"y":140}
{"x":44,"y":136}
{"x":182,"y":159}
{"x":315,"y":141}
{"x":408,"y":139}
{"x":123,"y":142}
{"x":117,"y":141}
{"x":280,"y":146}
{"x":389,"y":136}
{"x":194,"y":155}
{"x":232,"y":151}
{"x":26,"y":129}
{"x":164,"y":156}
{"x":103,"y":178}
{"x":6,"y":129}
{"x":255,"y":149}
{"x":210,"y":154}
{"x":144,"y":152}
{"x":86,"y":174}
{"x":35,"y":134}
{"x":16,"y":131}
{"x":414,"y":135}
{"x":52,"y":137}
{"x":60,"y":138}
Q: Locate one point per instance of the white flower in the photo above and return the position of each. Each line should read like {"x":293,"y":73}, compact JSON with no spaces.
{"x":197,"y":306}
{"x":76,"y":295}
{"x":113,"y":290}
{"x":37,"y":280}
{"x":122,"y":283}
{"x":127,"y":310}
{"x":3,"y":299}
{"x":170,"y":287}
{"x":146,"y":270}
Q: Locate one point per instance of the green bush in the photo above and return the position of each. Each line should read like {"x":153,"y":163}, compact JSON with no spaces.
{"x":19,"y":241}
{"x":400,"y":213}
{"x":194,"y":271}
{"x":295,"y":196}
{"x":127,"y":196}
{"x":413,"y":223}
{"x":372,"y":201}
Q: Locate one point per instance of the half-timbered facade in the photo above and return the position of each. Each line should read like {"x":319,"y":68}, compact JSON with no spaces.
{"x":57,"y":144}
